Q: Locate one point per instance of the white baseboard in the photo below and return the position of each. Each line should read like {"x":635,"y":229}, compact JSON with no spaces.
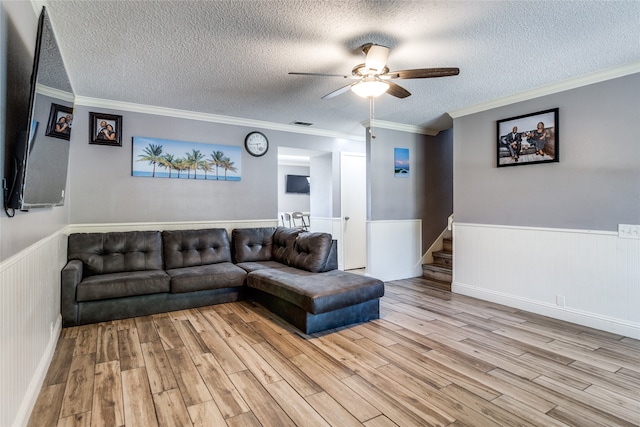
{"x":567,"y":314}
{"x":31,"y":395}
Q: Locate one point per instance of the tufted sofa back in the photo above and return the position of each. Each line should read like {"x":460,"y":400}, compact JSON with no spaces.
{"x":283,"y":241}
{"x":188,"y":248}
{"x":252,"y":244}
{"x":116,"y":252}
{"x":311,"y":251}
{"x":315,"y":252}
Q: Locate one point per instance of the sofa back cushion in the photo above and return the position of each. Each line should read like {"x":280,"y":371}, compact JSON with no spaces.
{"x":188,"y":248}
{"x":311,"y":251}
{"x":283,"y":241}
{"x":251,"y":244}
{"x":116,"y":252}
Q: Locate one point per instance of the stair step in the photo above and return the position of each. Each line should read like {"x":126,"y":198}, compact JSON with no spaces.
{"x":448,"y":244}
{"x":437,"y":272}
{"x":443,"y":258}
{"x":445,"y":286}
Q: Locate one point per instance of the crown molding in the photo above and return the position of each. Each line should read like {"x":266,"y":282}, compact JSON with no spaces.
{"x":551,"y":89}
{"x":206,"y":117}
{"x":55,"y":93}
{"x":381,"y":124}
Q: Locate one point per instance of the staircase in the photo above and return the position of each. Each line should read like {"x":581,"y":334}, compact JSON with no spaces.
{"x":439,"y":272}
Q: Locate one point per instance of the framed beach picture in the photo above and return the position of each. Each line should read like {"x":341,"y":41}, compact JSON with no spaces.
{"x":401,"y":162}
{"x":528,"y":139}
{"x":167,"y":158}
{"x":60,"y":120}
{"x":105,"y":129}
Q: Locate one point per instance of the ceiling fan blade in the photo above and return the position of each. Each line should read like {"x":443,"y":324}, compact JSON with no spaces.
{"x":424,"y":73}
{"x":397,"y":90}
{"x":320,"y":74}
{"x":337,"y":92}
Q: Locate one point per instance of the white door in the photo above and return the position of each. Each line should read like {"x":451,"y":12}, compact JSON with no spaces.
{"x":353,"y":190}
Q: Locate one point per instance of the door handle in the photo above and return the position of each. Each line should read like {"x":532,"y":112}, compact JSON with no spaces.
{"x":346,"y":218}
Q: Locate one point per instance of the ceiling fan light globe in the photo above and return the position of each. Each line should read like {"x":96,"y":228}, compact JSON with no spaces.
{"x":376,"y":58}
{"x":370,"y":88}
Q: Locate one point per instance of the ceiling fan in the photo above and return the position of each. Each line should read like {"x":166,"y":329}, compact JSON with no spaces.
{"x":374,"y":78}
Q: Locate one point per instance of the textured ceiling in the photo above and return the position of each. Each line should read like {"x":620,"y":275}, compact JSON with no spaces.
{"x":232,"y":57}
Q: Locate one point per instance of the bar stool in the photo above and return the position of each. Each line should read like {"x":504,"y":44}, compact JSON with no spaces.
{"x":286,"y":219}
{"x":299,"y":216}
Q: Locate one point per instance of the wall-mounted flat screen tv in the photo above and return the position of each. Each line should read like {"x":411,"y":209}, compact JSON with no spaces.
{"x":40,"y":156}
{"x":297,"y":184}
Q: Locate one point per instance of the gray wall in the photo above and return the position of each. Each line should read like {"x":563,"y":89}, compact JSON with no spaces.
{"x":17,"y":43}
{"x":596,"y":184}
{"x":426,"y":194}
{"x":103,"y":190}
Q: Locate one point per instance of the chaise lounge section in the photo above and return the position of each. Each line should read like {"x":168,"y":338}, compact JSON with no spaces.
{"x":305,"y":288}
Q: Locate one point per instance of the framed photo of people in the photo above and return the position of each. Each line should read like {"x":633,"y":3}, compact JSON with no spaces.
{"x":105,"y":129}
{"x":528,"y":139}
{"x":60,"y":120}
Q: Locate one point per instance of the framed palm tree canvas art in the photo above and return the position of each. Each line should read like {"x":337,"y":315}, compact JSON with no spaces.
{"x":166,"y":158}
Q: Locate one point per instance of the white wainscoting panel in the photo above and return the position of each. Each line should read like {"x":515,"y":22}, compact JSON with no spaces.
{"x":31,"y":323}
{"x":587,"y":277}
{"x":189,"y":225}
{"x":395,"y":249}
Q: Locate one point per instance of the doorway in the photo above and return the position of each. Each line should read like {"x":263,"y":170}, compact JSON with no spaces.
{"x":297,"y":162}
{"x":353,"y":190}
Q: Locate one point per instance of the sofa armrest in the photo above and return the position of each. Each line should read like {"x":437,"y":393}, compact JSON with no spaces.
{"x":332,"y":259}
{"x":71,"y":276}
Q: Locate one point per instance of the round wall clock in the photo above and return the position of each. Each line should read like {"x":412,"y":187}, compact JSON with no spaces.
{"x":256,"y":144}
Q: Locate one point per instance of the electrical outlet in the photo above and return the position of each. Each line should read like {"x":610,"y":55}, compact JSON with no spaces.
{"x":629,"y":231}
{"x":560,"y":300}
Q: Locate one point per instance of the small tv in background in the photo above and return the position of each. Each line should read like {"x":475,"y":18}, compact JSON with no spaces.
{"x":297,"y":184}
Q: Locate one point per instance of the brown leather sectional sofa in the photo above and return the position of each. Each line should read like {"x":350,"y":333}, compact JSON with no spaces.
{"x":293,"y":273}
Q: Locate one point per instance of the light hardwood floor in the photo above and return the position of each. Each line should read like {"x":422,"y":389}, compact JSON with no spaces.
{"x":434,"y":358}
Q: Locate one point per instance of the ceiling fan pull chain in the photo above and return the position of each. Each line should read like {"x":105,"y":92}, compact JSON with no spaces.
{"x":371,"y":114}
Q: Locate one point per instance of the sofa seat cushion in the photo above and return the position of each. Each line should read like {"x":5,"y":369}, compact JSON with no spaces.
{"x":316,"y":292}
{"x":259,"y":265}
{"x":204,"y":277}
{"x":116,"y":285}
